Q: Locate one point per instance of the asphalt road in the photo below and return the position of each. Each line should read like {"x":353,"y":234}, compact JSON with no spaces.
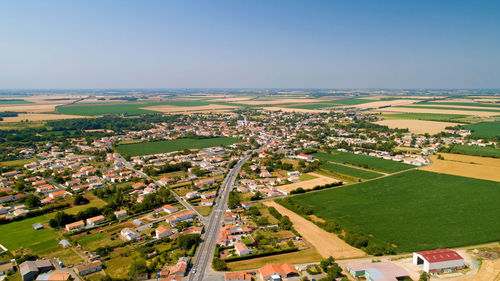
{"x":206,"y":248}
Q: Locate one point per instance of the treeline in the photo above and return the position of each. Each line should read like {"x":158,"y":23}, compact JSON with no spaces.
{"x":35,"y":213}
{"x":358,"y":240}
{"x":61,"y":218}
{"x":300,"y":190}
{"x":153,"y":171}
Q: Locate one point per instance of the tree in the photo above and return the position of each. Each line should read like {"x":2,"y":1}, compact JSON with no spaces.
{"x":234,"y":200}
{"x":32,"y":201}
{"x":424,"y":276}
{"x":80,"y":200}
{"x":137,"y":267}
{"x":285,"y":223}
{"x":256,"y":196}
{"x":187,"y":241}
{"x":219,"y":264}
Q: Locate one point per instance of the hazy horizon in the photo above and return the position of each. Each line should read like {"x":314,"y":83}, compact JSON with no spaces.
{"x":250,"y":45}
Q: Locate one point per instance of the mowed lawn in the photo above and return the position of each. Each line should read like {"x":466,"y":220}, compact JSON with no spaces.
{"x":21,"y":234}
{"x":358,"y":173}
{"x":145,"y":148}
{"x":415,"y":210}
{"x":476,"y":151}
{"x":361,"y":160}
{"x":484,"y":129}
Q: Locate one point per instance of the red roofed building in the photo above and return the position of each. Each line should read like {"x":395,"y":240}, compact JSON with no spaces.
{"x":269,"y":270}
{"x":440,"y":260}
{"x":238,"y":276}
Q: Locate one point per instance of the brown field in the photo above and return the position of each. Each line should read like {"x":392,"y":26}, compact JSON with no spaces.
{"x":40,"y":117}
{"x":30,"y":108}
{"x":49,"y":99}
{"x":468,"y":166}
{"x":319,"y":180}
{"x":417,"y":126}
{"x":230,"y":99}
{"x":489,"y":271}
{"x":438,"y":111}
{"x":327,"y":244}
{"x":184,"y":109}
{"x":299,"y":110}
{"x":458,"y":106}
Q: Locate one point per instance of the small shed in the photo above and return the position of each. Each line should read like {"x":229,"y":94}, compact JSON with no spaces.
{"x":37,"y":226}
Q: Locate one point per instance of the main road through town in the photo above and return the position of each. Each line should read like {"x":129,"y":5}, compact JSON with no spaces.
{"x":213,"y":225}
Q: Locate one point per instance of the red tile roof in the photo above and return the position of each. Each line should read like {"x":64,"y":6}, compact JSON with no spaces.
{"x":440,"y":255}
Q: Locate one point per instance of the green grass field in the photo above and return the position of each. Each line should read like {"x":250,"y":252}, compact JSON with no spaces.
{"x":358,"y":173}
{"x":315,"y":105}
{"x":449,"y":108}
{"x":484,"y":129}
{"x":21,"y":234}
{"x":415,"y":210}
{"x":16,"y":163}
{"x":476,"y":151}
{"x":425,"y":116}
{"x":369,"y":162}
{"x":353,"y":101}
{"x":146,"y":148}
{"x":463,"y":104}
{"x":14,"y":101}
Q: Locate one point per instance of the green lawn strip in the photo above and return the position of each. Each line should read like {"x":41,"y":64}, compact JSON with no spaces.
{"x":14,"y":101}
{"x":358,"y":173}
{"x":146,"y":148}
{"x":448,"y":108}
{"x":476,"y":151}
{"x":316,"y":105}
{"x":425,"y":116}
{"x":365,"y":161}
{"x":463,"y":104}
{"x":415,"y":210}
{"x":484,"y":129}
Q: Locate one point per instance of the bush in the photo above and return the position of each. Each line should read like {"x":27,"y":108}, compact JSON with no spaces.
{"x":219,"y":264}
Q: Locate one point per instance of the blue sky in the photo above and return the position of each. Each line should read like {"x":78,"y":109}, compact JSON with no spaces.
{"x":249,"y":44}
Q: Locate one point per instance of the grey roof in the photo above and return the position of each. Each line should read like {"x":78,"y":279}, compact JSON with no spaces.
{"x":27,"y":267}
{"x":43,"y":263}
{"x":64,"y":243}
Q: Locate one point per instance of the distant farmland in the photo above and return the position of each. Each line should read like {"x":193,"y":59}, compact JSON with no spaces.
{"x":146,"y":148}
{"x":476,"y":151}
{"x":369,"y":162}
{"x":425,"y":116}
{"x":415,"y":210}
{"x":14,"y":101}
{"x":484,"y":129}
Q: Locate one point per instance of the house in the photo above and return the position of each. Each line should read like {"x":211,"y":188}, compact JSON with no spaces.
{"x":130,"y":234}
{"x":238,"y":276}
{"x":75,"y":225}
{"x":230,"y":218}
{"x":308,"y":158}
{"x":6,"y":268}
{"x":242,"y":249}
{"x":95,"y":220}
{"x":30,"y":269}
{"x":88,"y":268}
{"x":54,"y":276}
{"x":208,"y":195}
{"x":163,"y":231}
{"x":440,"y":260}
{"x":178,"y":270}
{"x":204,"y":182}
{"x":275,"y":272}
{"x":58,"y":194}
{"x":207,"y":202}
{"x":378,"y":271}
{"x":192,"y":195}
{"x":246,"y":205}
{"x":169,"y":209}
{"x":120,"y":214}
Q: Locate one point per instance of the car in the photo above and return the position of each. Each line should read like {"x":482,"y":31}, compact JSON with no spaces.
{"x":194,"y":270}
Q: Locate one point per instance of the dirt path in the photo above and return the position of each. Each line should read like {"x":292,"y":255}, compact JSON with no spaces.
{"x":319,"y":180}
{"x":489,"y":271}
{"x":327,"y":244}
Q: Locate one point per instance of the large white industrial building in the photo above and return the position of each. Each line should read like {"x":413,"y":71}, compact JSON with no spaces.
{"x":441,"y":260}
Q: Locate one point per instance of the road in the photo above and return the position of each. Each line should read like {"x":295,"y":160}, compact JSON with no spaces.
{"x":188,"y":206}
{"x":206,"y":248}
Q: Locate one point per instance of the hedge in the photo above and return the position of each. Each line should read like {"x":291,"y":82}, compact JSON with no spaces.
{"x":251,"y":256}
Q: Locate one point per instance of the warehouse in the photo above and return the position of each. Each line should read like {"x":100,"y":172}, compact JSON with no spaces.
{"x":441,"y":260}
{"x":378,"y":271}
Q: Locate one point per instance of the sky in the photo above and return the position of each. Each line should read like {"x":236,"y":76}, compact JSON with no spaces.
{"x":249,"y":44}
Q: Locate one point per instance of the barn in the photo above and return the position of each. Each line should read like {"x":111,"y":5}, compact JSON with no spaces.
{"x":440,"y":260}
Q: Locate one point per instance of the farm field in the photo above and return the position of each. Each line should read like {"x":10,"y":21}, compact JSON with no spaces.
{"x":342,"y":169}
{"x":131,"y":108}
{"x":318,"y":180}
{"x":476,"y":151}
{"x":20,"y":234}
{"x":16,"y":163}
{"x":315,"y":105}
{"x":466,"y":166}
{"x":415,"y":210}
{"x":40,"y":117}
{"x":433,"y":110}
{"x":146,"y":148}
{"x":369,"y":162}
{"x":190,"y":109}
{"x":326,"y":243}
{"x":451,"y":108}
{"x":484,"y":129}
{"x":425,"y":116}
{"x":417,"y":126}
{"x":471,"y":104}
